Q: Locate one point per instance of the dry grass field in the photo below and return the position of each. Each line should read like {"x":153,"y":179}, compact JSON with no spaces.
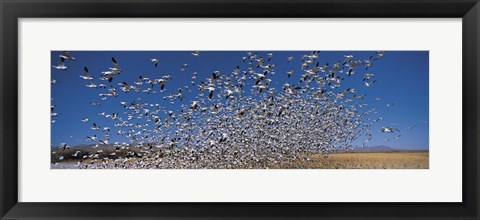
{"x":364,"y":160}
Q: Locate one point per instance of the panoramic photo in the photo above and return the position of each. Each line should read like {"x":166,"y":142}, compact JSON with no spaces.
{"x":239,"y":110}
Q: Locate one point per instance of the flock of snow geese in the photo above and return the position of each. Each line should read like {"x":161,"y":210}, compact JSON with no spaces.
{"x":236,"y":119}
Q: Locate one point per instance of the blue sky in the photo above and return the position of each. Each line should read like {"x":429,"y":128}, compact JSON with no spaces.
{"x":401,"y":78}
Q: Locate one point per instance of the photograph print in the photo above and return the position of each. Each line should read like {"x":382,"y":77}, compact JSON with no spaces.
{"x":239,"y":110}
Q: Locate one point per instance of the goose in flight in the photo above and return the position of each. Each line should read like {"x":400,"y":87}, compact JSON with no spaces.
{"x":115,"y":70}
{"x":63,"y":146}
{"x":76,"y":153}
{"x":86,"y":76}
{"x":215,"y":75}
{"x":290,"y":73}
{"x":140,"y":81}
{"x":368,"y":63}
{"x":52,"y":111}
{"x":180,"y":95}
{"x":67,"y":56}
{"x":196,"y":53}
{"x":95,"y":127}
{"x":323,"y":68}
{"x":210,"y":92}
{"x":194,"y":105}
{"x":184,"y":67}
{"x":162,"y":82}
{"x":379,"y":55}
{"x":261,"y":88}
{"x":369,"y":84}
{"x":259,"y":62}
{"x":306,"y":64}
{"x":229,"y":94}
{"x":388,"y":129}
{"x":269,"y":55}
{"x":124,"y":87}
{"x":91,"y":85}
{"x":92,"y":138}
{"x":84,"y":120}
{"x":115,"y":65}
{"x":289,"y":59}
{"x":260,"y":77}
{"x":347,"y":60}
{"x":350,"y":72}
{"x":154,"y":61}
{"x":61,"y":65}
{"x":368,"y":76}
{"x":236,"y":71}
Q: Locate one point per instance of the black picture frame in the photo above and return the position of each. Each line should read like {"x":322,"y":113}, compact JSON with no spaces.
{"x":12,"y":10}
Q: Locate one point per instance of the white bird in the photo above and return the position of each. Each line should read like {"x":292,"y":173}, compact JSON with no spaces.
{"x":196,"y":53}
{"x":290,"y":73}
{"x":154,"y":61}
{"x":52,"y":111}
{"x":368,"y":76}
{"x":379,"y":54}
{"x":67,"y":56}
{"x":270,"y":55}
{"x":347,"y":60}
{"x":76,"y":153}
{"x":210,"y":92}
{"x":368,"y":63}
{"x":140,"y":81}
{"x":61,"y":65}
{"x":95,"y":127}
{"x":184,"y":67}
{"x":194,"y":105}
{"x":289,"y":59}
{"x":86,"y":76}
{"x":91,"y":85}
{"x":388,"y":129}
{"x":369,"y":84}
{"x":92,"y":138}
{"x":115,"y":70}
{"x":229,"y":94}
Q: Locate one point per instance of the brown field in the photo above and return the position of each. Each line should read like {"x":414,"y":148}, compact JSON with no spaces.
{"x":364,"y":160}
